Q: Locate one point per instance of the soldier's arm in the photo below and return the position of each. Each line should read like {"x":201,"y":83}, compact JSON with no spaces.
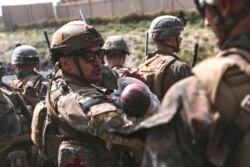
{"x":177,"y":133}
{"x":181,"y":70}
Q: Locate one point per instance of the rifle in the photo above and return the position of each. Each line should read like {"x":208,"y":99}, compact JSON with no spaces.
{"x":146,"y":44}
{"x":47,"y":39}
{"x":103,"y":91}
{"x":23,"y":108}
{"x":195,"y":54}
{"x":16,"y":95}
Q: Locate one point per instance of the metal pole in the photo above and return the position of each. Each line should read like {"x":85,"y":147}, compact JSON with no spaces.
{"x":90,"y":8}
{"x":172,"y":4}
{"x":142,"y":7}
{"x":112,"y":8}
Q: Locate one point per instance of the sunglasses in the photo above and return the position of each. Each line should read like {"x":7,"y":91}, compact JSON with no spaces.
{"x":90,"y":56}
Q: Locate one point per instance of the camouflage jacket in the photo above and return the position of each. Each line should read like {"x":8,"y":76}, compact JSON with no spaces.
{"x":9,"y":122}
{"x":201,"y":122}
{"x":22,"y":147}
{"x":109,"y":78}
{"x":120,"y":70}
{"x":32,"y":86}
{"x":87,"y":111}
{"x":162,"y":71}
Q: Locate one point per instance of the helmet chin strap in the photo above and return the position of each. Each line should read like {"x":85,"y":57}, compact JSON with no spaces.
{"x":82,"y":78}
{"x":175,"y":49}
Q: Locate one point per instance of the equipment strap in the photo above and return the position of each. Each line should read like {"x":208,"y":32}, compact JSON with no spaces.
{"x":240,"y":123}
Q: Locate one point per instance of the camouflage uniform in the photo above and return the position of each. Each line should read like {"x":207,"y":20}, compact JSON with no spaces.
{"x":27,"y":90}
{"x":74,"y":130}
{"x":32,"y":85}
{"x":120,"y":70}
{"x":9,"y":122}
{"x":22,"y":148}
{"x":116,"y":48}
{"x":10,"y":126}
{"x":163,"y":68}
{"x":109,"y":78}
{"x":29,"y":83}
{"x":94,"y":120}
{"x":204,"y":119}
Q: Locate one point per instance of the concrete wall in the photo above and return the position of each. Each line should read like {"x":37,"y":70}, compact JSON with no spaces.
{"x":117,"y":8}
{"x":26,"y":14}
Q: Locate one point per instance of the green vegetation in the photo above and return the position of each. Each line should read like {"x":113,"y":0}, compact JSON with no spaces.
{"x":131,"y":27}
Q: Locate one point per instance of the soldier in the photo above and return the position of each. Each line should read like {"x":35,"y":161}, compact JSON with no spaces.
{"x":9,"y":123}
{"x":78,"y":114}
{"x":29,"y":83}
{"x":163,"y":68}
{"x":21,"y":152}
{"x":204,"y":119}
{"x":116,"y":50}
{"x":10,"y":126}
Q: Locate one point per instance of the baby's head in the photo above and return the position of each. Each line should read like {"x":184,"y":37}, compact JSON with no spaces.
{"x":135,"y":100}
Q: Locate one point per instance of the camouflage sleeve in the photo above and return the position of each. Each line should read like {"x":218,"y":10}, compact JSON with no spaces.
{"x":41,"y":87}
{"x":109,"y":78}
{"x":177,"y":134}
{"x":9,"y":124}
{"x":95,"y":120}
{"x":180,"y":70}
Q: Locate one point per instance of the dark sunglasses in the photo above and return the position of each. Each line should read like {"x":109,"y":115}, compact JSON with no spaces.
{"x":90,"y":56}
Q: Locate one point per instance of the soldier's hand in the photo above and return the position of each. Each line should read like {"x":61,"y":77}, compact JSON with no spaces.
{"x":135,"y":74}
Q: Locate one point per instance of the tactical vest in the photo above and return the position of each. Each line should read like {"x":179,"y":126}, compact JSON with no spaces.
{"x":30,"y":88}
{"x":227,"y":83}
{"x":154,"y":69}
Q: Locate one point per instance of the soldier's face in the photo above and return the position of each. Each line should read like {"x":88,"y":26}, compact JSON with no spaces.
{"x":115,"y":58}
{"x":173,"y":41}
{"x":91,"y":63}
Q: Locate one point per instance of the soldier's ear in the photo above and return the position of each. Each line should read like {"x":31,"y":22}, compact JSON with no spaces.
{"x":66,"y":63}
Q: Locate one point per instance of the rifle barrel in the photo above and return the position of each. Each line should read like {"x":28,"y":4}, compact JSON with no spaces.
{"x":195,"y":54}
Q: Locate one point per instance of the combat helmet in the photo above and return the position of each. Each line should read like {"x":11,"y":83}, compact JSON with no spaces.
{"x":116,"y":43}
{"x":223,"y":24}
{"x":164,"y":27}
{"x":24,"y":54}
{"x":74,"y":36}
